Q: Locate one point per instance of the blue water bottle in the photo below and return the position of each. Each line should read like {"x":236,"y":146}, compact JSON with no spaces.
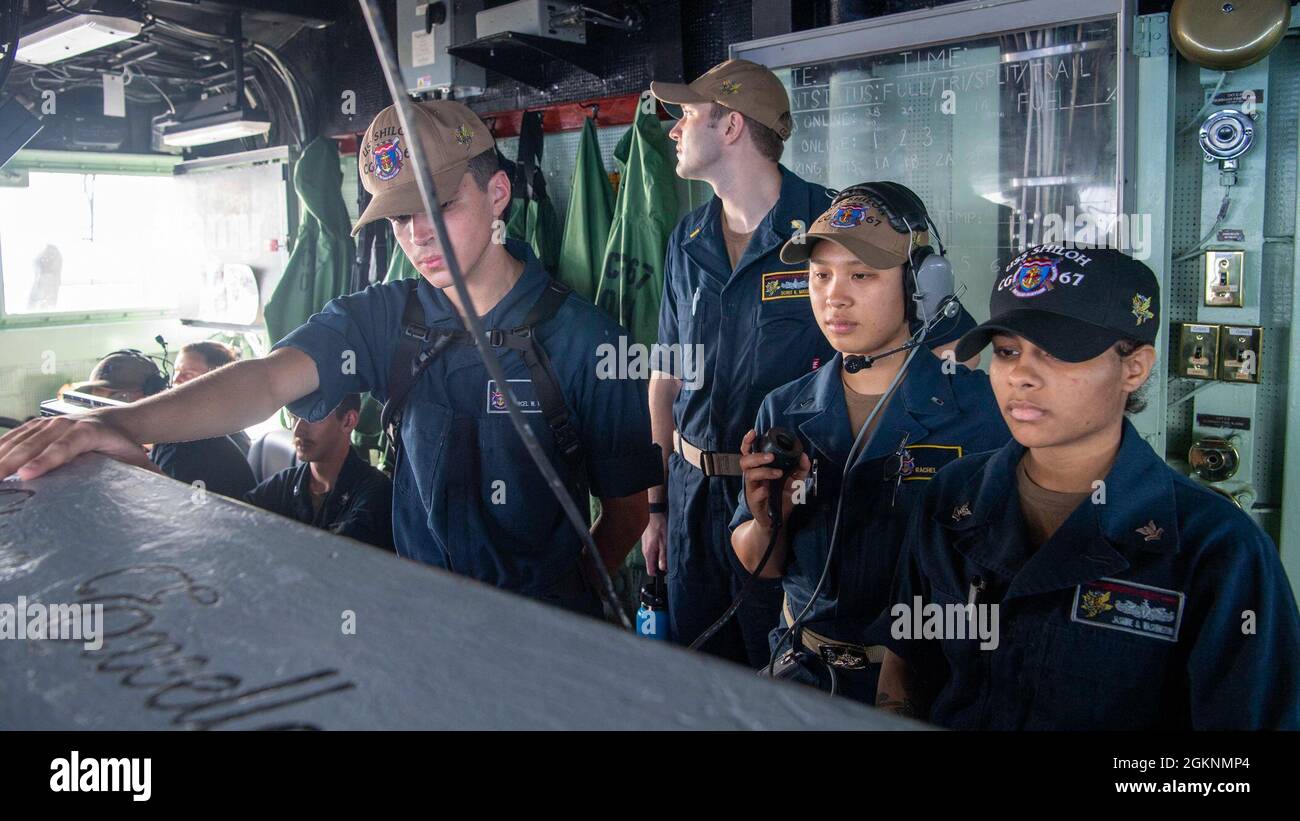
{"x":652,"y":616}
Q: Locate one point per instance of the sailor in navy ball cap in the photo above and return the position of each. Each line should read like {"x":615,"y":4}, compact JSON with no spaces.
{"x":1078,"y":301}
{"x":1123,"y":594}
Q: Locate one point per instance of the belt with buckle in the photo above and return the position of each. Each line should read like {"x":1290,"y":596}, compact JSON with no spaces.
{"x":841,"y":655}
{"x":713,"y":463}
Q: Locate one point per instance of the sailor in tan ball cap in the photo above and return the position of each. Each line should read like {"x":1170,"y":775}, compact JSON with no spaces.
{"x":466,"y":495}
{"x":726,"y":291}
{"x":467,"y":176}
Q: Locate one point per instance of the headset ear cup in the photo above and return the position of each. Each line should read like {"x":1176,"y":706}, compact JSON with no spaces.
{"x":934,"y":280}
{"x":909,"y":285}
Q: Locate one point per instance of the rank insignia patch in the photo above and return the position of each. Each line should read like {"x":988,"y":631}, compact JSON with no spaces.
{"x":1142,"y":308}
{"x":524,"y":394}
{"x":1150,"y":532}
{"x":1130,"y":607}
{"x":785,"y":285}
{"x":464,"y":135}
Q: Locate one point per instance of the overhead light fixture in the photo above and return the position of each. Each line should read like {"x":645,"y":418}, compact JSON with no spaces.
{"x":215,"y":128}
{"x":72,"y":35}
{"x":218,"y":118}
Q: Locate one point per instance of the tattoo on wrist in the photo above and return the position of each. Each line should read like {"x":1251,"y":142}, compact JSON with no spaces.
{"x":902,"y":707}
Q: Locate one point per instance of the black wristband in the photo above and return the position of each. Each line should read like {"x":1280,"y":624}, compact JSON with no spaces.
{"x":659,"y":507}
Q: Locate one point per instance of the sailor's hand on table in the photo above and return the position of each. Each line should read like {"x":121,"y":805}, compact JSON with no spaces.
{"x":41,"y":445}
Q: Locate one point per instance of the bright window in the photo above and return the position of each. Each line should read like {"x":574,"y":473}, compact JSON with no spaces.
{"x":74,"y":242}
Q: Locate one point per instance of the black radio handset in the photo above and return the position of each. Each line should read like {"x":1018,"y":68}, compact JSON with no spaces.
{"x":786,"y":449}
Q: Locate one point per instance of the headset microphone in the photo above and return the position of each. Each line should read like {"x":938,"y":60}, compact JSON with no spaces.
{"x":166,"y":369}
{"x":860,"y":362}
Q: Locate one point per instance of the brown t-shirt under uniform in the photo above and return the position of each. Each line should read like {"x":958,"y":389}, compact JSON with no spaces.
{"x":736,"y":243}
{"x":1044,"y":510}
{"x":860,"y":406}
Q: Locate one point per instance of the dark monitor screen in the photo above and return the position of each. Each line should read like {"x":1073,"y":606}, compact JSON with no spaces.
{"x":17,"y":127}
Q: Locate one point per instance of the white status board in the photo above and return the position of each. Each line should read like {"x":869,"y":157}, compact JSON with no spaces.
{"x":1010,"y":139}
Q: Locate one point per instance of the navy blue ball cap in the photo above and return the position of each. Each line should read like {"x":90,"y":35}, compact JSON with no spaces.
{"x":1073,"y":302}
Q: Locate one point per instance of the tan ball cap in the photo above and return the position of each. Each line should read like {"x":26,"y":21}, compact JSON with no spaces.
{"x":858,"y":225}
{"x":740,"y":85}
{"x":450,"y":134}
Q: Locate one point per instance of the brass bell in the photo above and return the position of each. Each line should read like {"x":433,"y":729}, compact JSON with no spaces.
{"x":1225,"y":35}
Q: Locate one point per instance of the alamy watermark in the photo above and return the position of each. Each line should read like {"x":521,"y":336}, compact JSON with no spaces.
{"x":26,"y":621}
{"x":128,"y":775}
{"x":636,"y":361}
{"x":947,"y":622}
{"x":1130,"y":233}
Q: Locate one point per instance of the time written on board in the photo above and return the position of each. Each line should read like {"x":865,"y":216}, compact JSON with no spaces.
{"x":883,"y":83}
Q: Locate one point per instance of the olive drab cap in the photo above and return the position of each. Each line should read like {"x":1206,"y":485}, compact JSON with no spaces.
{"x":740,"y":85}
{"x":858,"y":224}
{"x":450,"y":134}
{"x":1073,"y":302}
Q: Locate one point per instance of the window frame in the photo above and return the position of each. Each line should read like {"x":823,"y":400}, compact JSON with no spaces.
{"x":123,"y":164}
{"x":77,"y":162}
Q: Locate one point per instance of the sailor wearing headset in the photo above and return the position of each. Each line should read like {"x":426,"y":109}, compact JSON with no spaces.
{"x":876,"y":424}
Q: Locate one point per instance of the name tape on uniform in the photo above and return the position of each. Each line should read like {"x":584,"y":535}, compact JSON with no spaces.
{"x":1130,"y":607}
{"x":785,"y":285}
{"x":524,"y":395}
{"x":922,"y":462}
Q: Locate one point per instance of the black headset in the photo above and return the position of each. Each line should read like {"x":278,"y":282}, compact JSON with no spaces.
{"x":928,"y":278}
{"x":155,"y":382}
